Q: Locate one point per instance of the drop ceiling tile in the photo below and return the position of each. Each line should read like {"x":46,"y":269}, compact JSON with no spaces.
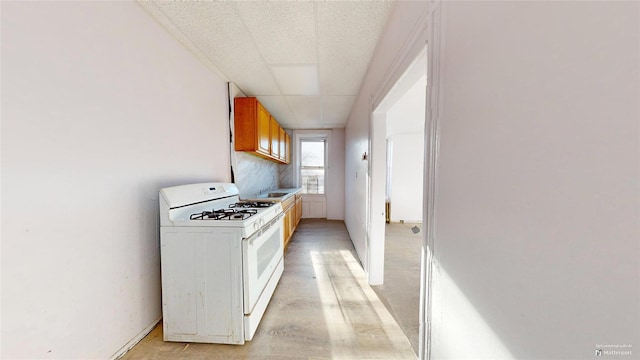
{"x":279,"y":109}
{"x":336,"y":109}
{"x":243,"y":40}
{"x":217,"y":30}
{"x":297,"y":80}
{"x":306,"y":108}
{"x":289,"y":125}
{"x":336,"y":79}
{"x":155,"y":11}
{"x":283,"y":32}
{"x":346,"y":42}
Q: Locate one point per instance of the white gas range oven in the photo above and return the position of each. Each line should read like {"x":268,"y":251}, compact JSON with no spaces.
{"x":221,"y":261}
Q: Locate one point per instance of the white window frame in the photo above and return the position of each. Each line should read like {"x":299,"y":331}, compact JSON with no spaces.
{"x":317,"y":135}
{"x":323,"y":167}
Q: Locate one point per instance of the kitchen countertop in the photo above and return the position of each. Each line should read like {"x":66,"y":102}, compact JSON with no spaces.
{"x":284,"y":194}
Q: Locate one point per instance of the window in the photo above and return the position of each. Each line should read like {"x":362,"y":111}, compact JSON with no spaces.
{"x":312,"y":166}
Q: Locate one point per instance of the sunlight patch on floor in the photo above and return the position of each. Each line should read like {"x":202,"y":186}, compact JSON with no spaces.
{"x":339,"y":332}
{"x":390,"y":326}
{"x":348,"y":303}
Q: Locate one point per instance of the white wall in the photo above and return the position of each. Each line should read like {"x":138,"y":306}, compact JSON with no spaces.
{"x":405,"y":130}
{"x":406,"y":177}
{"x":100,"y":109}
{"x":335,"y":178}
{"x":389,"y":62}
{"x":406,"y":114}
{"x":537,"y":203}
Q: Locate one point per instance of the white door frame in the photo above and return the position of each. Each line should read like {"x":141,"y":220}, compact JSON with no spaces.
{"x":415,"y":70}
{"x":426,"y":31}
{"x":298,"y":136}
{"x":431,"y":144}
{"x":376,"y":195}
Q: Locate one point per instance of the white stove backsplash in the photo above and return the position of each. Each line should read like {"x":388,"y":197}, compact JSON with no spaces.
{"x":254,"y":174}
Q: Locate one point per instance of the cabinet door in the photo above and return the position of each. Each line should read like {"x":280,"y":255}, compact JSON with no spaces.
{"x":287,"y":148}
{"x":298,"y":209}
{"x":291,"y":214}
{"x":286,"y":229}
{"x":264,"y":124}
{"x":283,"y":149}
{"x":275,"y":138}
{"x":287,"y":223}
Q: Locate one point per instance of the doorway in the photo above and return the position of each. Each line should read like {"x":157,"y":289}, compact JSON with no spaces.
{"x":396,"y":195}
{"x":312,"y":170}
{"x":387,"y":120}
{"x":313,"y":160}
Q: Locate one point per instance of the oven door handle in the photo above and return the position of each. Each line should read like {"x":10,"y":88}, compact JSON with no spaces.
{"x":264,"y":228}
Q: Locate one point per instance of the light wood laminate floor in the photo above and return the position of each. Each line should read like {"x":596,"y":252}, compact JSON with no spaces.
{"x":323,"y":308}
{"x":401,"y":289}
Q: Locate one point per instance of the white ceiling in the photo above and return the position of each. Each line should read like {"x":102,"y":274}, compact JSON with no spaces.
{"x":304,"y":60}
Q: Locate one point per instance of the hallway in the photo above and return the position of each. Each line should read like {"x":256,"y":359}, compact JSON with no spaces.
{"x":322,"y":309}
{"x":401,"y":289}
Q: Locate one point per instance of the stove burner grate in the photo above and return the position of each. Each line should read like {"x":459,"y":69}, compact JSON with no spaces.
{"x":252,"y":204}
{"x":224,"y":214}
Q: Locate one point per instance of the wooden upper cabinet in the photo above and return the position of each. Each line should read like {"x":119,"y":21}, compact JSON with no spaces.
{"x":264,"y":126}
{"x":256,"y":131}
{"x":287,"y":148}
{"x":275,"y":139}
{"x":283,"y":147}
{"x":251,"y":126}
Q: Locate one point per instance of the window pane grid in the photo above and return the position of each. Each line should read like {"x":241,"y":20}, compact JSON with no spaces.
{"x":312,"y":166}
{"x":312,"y":181}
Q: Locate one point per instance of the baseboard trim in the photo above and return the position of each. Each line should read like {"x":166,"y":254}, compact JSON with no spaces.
{"x":133,"y":342}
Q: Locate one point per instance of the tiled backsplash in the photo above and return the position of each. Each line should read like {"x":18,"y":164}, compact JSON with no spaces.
{"x":254,"y":174}
{"x":286,"y":176}
{"x":286,"y":172}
